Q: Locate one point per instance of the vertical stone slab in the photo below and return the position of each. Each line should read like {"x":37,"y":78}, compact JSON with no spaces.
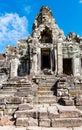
{"x":55,"y":60}
{"x":38,"y":60}
{"x":76,"y":62}
{"x":59,"y":58}
{"x":14,"y":68}
{"x":76,"y":66}
{"x":35,"y":64}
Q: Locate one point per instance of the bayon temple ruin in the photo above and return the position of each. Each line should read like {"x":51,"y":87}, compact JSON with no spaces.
{"x":41,"y":78}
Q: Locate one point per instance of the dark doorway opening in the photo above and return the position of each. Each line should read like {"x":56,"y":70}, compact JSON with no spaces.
{"x":45,"y":58}
{"x":46,"y":36}
{"x":67,"y":66}
{"x":22,"y":68}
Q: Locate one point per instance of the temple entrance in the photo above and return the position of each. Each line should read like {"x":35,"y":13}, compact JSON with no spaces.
{"x":67,"y":66}
{"x":22,"y":68}
{"x":45,"y":58}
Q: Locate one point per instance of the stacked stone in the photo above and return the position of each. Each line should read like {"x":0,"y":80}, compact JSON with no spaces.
{"x":67,"y":90}
{"x":15,"y":92}
{"x":5,"y":118}
{"x":26,"y":115}
{"x":69,"y":116}
{"x":48,"y":116}
{"x":62,"y":90}
{"x":9,"y":104}
{"x":78,"y":102}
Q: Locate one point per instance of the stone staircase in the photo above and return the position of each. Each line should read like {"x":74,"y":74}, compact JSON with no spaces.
{"x":35,"y":101}
{"x":45,"y":93}
{"x":14,"y":92}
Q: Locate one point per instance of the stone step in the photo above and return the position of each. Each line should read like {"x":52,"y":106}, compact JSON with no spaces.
{"x":16,"y":85}
{"x":57,"y":122}
{"x":47,"y":81}
{"x":74,"y":92}
{"x":67,"y":122}
{"x":7,"y":92}
{"x":26,"y":113}
{"x":41,"y":88}
{"x":46,"y":77}
{"x":46,"y":84}
{"x":61,"y":85}
{"x":45,"y":92}
{"x":23,"y":86}
{"x":69,"y":112}
{"x":23,"y":94}
{"x":25,"y":89}
{"x":9,"y":89}
{"x":47,"y":100}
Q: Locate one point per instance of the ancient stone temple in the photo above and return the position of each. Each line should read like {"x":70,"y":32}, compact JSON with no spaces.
{"x":46,"y":50}
{"x":41,"y":78}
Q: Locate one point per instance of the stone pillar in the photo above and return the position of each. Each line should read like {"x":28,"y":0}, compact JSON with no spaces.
{"x":35,"y":63}
{"x":56,"y":60}
{"x":14,"y":68}
{"x":38,"y":60}
{"x":76,"y":64}
{"x":52,"y":59}
{"x":59,"y":58}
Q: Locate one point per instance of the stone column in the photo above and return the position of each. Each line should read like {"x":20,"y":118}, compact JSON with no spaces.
{"x":76,"y":64}
{"x":35,"y":63}
{"x":56,"y":60}
{"x":52,"y":59}
{"x":14,"y":68}
{"x":38,"y":60}
{"x":59,"y":58}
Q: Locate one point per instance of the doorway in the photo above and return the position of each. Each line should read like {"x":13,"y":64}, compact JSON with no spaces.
{"x":67,"y":66}
{"x":45,"y":58}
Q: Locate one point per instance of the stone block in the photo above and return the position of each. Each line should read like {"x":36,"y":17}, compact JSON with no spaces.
{"x":78,"y":101}
{"x":1,"y":100}
{"x":32,"y":122}
{"x":44,"y":122}
{"x":28,"y":99}
{"x":9,"y":111}
{"x":11,"y":106}
{"x":25,"y":106}
{"x":13,"y":100}
{"x":67,"y":122}
{"x":22,"y":122}
{"x":69,"y":102}
{"x":43,"y":113}
{"x":53,"y":112}
{"x":79,"y":107}
{"x":26,"y":113}
{"x":69,"y":112}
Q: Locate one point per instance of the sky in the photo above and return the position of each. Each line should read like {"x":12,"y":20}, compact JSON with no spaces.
{"x":17,"y":17}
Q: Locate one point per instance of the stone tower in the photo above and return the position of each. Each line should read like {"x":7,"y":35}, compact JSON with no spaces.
{"x":46,"y":44}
